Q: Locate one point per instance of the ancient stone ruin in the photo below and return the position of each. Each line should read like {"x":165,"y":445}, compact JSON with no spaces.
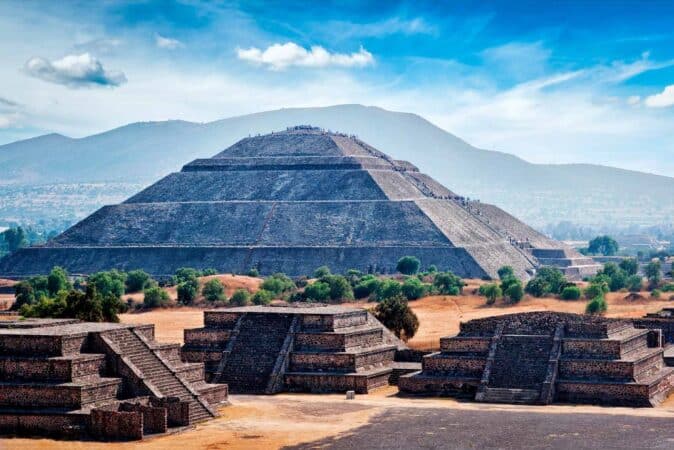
{"x":68,"y":379}
{"x":268,"y":349}
{"x":544,"y":357}
{"x":293,"y":201}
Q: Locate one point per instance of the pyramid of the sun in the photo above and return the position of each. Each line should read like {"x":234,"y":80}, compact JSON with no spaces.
{"x":290,"y":202}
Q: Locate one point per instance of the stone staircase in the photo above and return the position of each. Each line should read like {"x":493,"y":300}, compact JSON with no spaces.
{"x":157,"y":373}
{"x":511,"y":395}
{"x":251,"y":360}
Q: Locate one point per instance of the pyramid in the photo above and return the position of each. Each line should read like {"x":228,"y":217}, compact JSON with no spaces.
{"x":292,"y":201}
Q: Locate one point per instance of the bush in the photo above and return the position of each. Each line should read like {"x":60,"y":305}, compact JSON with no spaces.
{"x":536,"y":287}
{"x":57,"y":281}
{"x":447,"y":283}
{"x":108,"y":283}
{"x":630,"y":266}
{"x":388,"y":288}
{"x":492,"y":291}
{"x":432,"y":268}
{"x":548,"y":280}
{"x":253,"y":273}
{"x":214,"y":291}
{"x":571,"y":293}
{"x":188,"y":291}
{"x":633,"y":283}
{"x":413,"y":289}
{"x":515,"y":292}
{"x":505,"y":272}
{"x":595,"y":290}
{"x":340,"y":288}
{"x":596,"y":306}
{"x":395,"y":314}
{"x":322,"y":272}
{"x":408,"y":265}
{"x":89,"y":306}
{"x":656,"y":293}
{"x":366,"y":287}
{"x":208,"y":272}
{"x":240,"y":297}
{"x":23,"y":294}
{"x":155,"y":297}
{"x":653,"y":272}
{"x":317,"y":291}
{"x":186,"y":274}
{"x":262,"y":297}
{"x":137,"y":280}
{"x":668,"y":287}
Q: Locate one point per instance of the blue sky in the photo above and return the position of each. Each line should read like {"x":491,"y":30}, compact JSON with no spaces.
{"x":556,"y":81}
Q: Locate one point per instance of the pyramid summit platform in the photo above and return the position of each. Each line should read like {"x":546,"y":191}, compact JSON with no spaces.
{"x":290,"y":202}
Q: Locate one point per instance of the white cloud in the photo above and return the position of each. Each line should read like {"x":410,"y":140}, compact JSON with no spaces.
{"x":74,"y":71}
{"x":388,"y":27}
{"x":9,"y":120}
{"x":167,"y":43}
{"x":633,"y":100}
{"x":281,"y":56}
{"x":663,"y":99}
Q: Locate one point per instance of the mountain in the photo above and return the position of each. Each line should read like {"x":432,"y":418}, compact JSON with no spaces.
{"x":140,"y":153}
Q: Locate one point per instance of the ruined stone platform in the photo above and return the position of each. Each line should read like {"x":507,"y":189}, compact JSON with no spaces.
{"x":268,"y":349}
{"x":69,"y":379}
{"x":543,"y":357}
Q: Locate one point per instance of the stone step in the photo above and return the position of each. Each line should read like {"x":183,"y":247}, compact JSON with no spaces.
{"x":502,"y":395}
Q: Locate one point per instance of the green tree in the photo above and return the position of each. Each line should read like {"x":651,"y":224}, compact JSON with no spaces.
{"x":322,"y":272}
{"x":408,"y":265}
{"x":505,"y":272}
{"x":432,"y":268}
{"x":633,"y":283}
{"x":596,"y":289}
{"x":630,"y":266}
{"x":603,"y":245}
{"x":596,"y":306}
{"x":515,"y":292}
{"x":112,"y":282}
{"x":277,"y":284}
{"x":262,"y":297}
{"x":15,"y":238}
{"x":155,"y":297}
{"x":253,"y":272}
{"x":188,"y":291}
{"x":317,"y":291}
{"x":447,"y":283}
{"x":571,"y":293}
{"x":57,"y":281}
{"x":23,"y":294}
{"x":396,"y":315}
{"x":340,"y":288}
{"x":367,"y":286}
{"x":240,"y":297}
{"x":653,"y":272}
{"x":388,"y":288}
{"x":208,"y":272}
{"x":137,"y":280}
{"x":186,"y":274}
{"x":492,"y":291}
{"x":214,"y":291}
{"x":413,"y":288}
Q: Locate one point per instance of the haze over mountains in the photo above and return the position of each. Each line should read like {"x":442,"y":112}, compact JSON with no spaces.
{"x":116,"y":163}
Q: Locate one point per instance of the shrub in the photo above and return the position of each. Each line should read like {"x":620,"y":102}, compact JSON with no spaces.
{"x":388,"y":288}
{"x":668,"y":287}
{"x":633,"y":283}
{"x":322,"y":272}
{"x":395,"y":314}
{"x":571,"y":293}
{"x":653,"y":272}
{"x":595,"y":290}
{"x":253,"y":272}
{"x":214,"y":291}
{"x":108,"y":283}
{"x":366,"y":287}
{"x":57,"y":281}
{"x":408,"y":265}
{"x":447,"y":283}
{"x":656,"y":293}
{"x":413,"y":289}
{"x":89,"y":306}
{"x":432,"y":268}
{"x":548,"y":280}
{"x":596,"y":306}
{"x":208,"y":272}
{"x":154,"y":297}
{"x":262,"y":297}
{"x":301,"y":282}
{"x":185,"y":274}
{"x":492,"y":291}
{"x":277,"y":284}
{"x":188,"y":291}
{"x":536,"y":287}
{"x":137,"y":280}
{"x":515,"y":292}
{"x":505,"y":272}
{"x":317,"y":291}
{"x":240,"y":297}
{"x":340,"y":288}
{"x":630,"y":266}
{"x":23,"y":294}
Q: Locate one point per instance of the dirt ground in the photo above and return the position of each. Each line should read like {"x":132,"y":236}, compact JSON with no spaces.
{"x":270,"y":422}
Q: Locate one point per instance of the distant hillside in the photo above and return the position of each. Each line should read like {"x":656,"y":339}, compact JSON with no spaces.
{"x":140,"y":153}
